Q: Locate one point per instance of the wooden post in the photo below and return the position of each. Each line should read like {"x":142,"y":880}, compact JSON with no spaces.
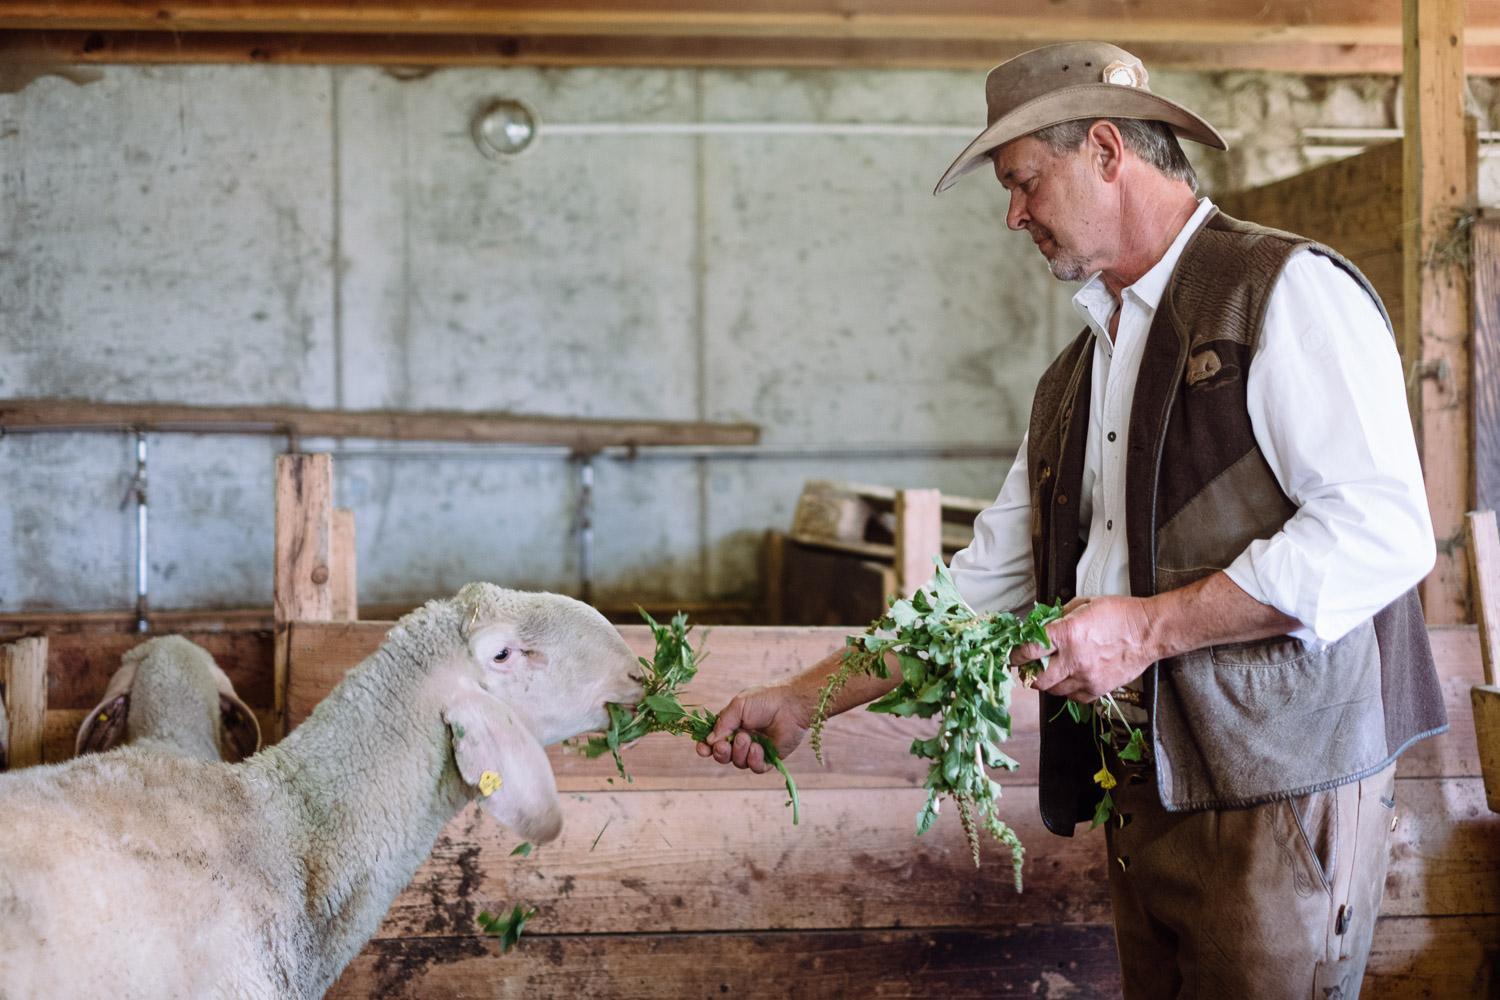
{"x":1484,"y":561}
{"x":1486,"y":251}
{"x":1440,"y":176}
{"x":304,"y":556}
{"x":919,"y":537}
{"x":23,"y":670}
{"x":345,"y":569}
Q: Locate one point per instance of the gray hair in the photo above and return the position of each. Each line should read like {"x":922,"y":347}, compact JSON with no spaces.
{"x":1152,"y":141}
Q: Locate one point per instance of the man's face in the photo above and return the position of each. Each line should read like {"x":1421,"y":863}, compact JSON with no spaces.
{"x":1058,"y":200}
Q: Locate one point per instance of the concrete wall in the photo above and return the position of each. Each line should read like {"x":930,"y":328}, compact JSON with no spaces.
{"x":331,"y":237}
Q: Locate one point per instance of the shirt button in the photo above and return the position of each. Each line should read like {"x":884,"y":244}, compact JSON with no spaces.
{"x":1062,"y":499}
{"x":1109,"y":525}
{"x":1111,"y":435}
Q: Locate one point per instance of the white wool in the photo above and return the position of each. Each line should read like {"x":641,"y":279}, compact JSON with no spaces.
{"x":132,"y":874}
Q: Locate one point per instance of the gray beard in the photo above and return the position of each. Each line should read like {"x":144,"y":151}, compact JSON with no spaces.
{"x":1068,"y":267}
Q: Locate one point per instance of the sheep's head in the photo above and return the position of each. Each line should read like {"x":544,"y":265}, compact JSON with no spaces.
{"x":538,"y":668}
{"x":170,"y":692}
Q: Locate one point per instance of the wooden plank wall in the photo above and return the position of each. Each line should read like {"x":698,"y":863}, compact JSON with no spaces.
{"x":692,"y":881}
{"x":1352,"y":205}
{"x":1486,"y":286}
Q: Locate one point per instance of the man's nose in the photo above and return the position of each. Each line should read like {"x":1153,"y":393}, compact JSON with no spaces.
{"x":1015,"y":215}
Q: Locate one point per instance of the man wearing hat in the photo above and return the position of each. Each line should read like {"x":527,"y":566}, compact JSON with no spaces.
{"x":1220,"y":479}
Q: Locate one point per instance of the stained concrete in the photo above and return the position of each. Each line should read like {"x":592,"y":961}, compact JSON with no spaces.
{"x":331,"y":237}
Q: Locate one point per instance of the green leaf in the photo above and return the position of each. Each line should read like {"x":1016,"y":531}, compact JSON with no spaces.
{"x":1102,"y":810}
{"x":523,"y":849}
{"x":1135,"y":750}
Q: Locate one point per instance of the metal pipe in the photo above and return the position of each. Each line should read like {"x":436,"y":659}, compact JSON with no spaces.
{"x":142,"y":524}
{"x":586,"y":526}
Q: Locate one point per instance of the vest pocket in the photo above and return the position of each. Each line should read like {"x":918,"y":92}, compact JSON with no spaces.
{"x":1247,"y":722}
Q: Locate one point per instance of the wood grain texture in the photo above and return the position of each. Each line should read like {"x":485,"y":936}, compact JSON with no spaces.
{"x":304,"y":538}
{"x":388,"y":425}
{"x":345,"y":582}
{"x":1353,"y":205}
{"x":919,"y":538}
{"x":75,"y":46}
{"x":1010,"y":964}
{"x":1440,"y":181}
{"x":1486,"y":278}
{"x":1485,"y":699}
{"x":23,"y":673}
{"x":1412,"y":958}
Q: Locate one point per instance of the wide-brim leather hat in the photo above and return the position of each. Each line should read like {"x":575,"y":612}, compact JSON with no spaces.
{"x":1068,"y":82}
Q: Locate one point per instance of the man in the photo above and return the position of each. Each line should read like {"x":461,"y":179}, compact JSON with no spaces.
{"x":1220,"y":479}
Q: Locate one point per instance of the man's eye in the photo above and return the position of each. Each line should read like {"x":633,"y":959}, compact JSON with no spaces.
{"x":503,"y":655}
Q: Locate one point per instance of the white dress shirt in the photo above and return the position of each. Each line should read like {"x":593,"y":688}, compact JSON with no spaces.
{"x":1327,"y":403}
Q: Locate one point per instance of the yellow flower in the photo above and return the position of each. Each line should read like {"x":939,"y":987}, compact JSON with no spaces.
{"x":1104,"y":779}
{"x":489,"y":783}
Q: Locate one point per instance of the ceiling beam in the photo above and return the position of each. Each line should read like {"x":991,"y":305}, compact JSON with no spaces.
{"x":162,"y":47}
{"x":1197,"y":21}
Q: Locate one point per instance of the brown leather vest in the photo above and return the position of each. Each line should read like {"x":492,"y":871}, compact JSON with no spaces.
{"x":1250,"y":722}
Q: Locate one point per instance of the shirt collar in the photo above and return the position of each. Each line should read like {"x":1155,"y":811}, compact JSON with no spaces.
{"x":1095,"y":305}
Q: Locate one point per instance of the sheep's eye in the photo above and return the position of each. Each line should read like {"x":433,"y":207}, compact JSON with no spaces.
{"x":503,"y":655}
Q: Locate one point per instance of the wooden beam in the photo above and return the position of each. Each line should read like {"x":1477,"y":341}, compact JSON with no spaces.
{"x":919,"y":538}
{"x":1486,"y":276}
{"x":23,"y":672}
{"x":1440,"y":180}
{"x":1484,"y":563}
{"x":1336,"y":22}
{"x":389,"y":425}
{"x":345,"y":581}
{"x":67,"y":47}
{"x":304,"y":538}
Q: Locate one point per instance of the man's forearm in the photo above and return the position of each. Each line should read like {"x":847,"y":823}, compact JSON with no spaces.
{"x":1211,"y":612}
{"x":859,"y":689}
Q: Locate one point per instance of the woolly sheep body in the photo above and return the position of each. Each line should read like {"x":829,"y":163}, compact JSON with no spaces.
{"x":265,"y":878}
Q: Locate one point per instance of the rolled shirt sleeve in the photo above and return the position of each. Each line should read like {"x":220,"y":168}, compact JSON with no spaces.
{"x":994,"y":572}
{"x":1327,"y":402}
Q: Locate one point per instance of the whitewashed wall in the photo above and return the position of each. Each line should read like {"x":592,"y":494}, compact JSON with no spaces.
{"x":332,"y":238}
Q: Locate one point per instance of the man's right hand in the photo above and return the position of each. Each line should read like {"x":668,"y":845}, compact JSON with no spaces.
{"x":779,"y":713}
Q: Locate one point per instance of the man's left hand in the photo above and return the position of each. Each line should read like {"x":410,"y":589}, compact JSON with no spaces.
{"x":1098,"y":645}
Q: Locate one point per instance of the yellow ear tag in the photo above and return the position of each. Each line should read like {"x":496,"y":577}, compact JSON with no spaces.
{"x":489,"y":783}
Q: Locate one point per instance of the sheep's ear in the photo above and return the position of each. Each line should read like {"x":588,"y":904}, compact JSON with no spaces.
{"x":505,"y":765}
{"x":239,"y":732}
{"x":104,"y":729}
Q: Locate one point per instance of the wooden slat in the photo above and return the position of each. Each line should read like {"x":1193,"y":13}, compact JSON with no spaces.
{"x":919,"y":538}
{"x":861,"y":748}
{"x":389,"y":425}
{"x":1010,"y":964}
{"x":1196,"y":21}
{"x":1486,"y":277}
{"x":304,"y":538}
{"x":69,"y":47}
{"x":1412,"y":958}
{"x":23,"y":672}
{"x":1440,"y":179}
{"x":1353,"y":205}
{"x":1484,"y":572}
{"x":79,"y":664}
{"x":727,"y":860}
{"x":345,"y":582}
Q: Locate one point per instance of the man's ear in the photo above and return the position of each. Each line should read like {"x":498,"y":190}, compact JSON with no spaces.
{"x":1108,"y":147}
{"x":504,"y":765}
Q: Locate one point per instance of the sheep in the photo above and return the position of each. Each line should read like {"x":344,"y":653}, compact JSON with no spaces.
{"x":169,"y":696}
{"x":140,"y":875}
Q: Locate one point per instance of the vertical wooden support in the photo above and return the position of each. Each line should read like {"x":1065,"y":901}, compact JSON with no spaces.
{"x":919,"y":537}
{"x":303,"y":576}
{"x":773,"y":578}
{"x":1484,"y":561}
{"x":1440,"y":176}
{"x":345,"y":568}
{"x":1486,"y":250}
{"x":23,"y":670}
